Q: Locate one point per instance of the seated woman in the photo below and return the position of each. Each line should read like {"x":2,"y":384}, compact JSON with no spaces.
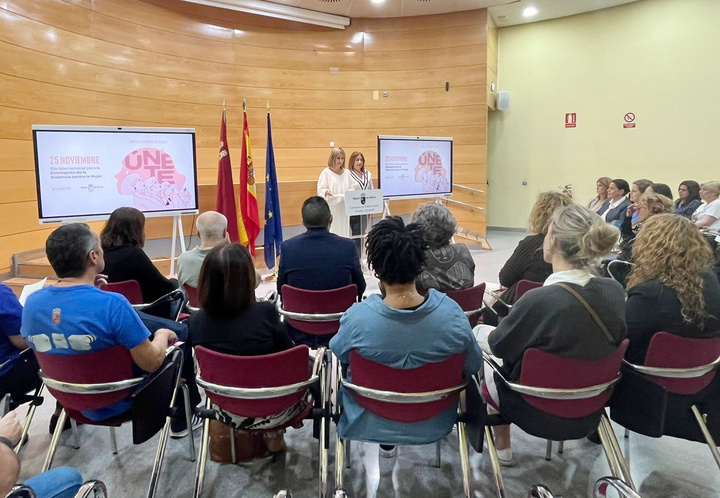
{"x":551,"y":318}
{"x":122,"y":239}
{"x":671,"y":287}
{"x":401,"y":329}
{"x":615,"y":207}
{"x":707,"y":216}
{"x":637,"y":189}
{"x":601,"y":188}
{"x":650,"y":204}
{"x":231,"y":321}
{"x":448,"y":266}
{"x":526,"y":262}
{"x":688,"y":198}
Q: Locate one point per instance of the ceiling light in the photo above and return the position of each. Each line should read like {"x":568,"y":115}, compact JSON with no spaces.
{"x":529,"y":11}
{"x":378,"y":1}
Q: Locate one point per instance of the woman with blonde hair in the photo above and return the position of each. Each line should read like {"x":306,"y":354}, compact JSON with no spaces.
{"x":708,"y":214}
{"x":649,"y":205}
{"x":334,"y":181}
{"x":553,"y":318}
{"x":601,"y":188}
{"x":671,"y":287}
{"x":526,"y":262}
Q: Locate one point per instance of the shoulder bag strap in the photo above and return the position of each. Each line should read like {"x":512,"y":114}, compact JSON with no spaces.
{"x":590,"y":310}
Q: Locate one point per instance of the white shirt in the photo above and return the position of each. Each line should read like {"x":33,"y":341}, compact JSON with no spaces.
{"x":578,"y":277}
{"x":709,"y":209}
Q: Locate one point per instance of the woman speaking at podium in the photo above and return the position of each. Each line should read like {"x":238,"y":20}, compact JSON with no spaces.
{"x":362,"y":180}
{"x":334,"y":181}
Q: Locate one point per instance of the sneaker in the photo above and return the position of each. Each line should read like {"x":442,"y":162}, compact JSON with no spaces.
{"x":178,"y":428}
{"x":388,"y":451}
{"x":505,"y":457}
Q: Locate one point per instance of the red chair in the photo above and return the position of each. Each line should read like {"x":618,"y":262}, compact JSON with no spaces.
{"x":675,"y":393}
{"x":316,"y":312}
{"x":558,"y":399}
{"x":259,"y":386}
{"x":407,"y":395}
{"x":128,"y":288}
{"x":103,"y":378}
{"x":523,"y":286}
{"x":470,"y":300}
{"x":192,"y":295}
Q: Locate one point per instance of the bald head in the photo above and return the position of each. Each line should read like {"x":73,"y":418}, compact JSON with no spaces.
{"x":212,"y":228}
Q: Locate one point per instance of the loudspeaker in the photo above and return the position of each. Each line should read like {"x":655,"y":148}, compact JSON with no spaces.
{"x":503,"y":101}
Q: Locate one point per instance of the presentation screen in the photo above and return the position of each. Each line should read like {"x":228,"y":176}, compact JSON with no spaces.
{"x":85,"y":173}
{"x":415,"y":166}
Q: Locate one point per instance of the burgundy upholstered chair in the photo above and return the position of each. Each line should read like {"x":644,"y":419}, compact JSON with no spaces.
{"x":316,"y":312}
{"x":470,"y":300}
{"x":128,"y":288}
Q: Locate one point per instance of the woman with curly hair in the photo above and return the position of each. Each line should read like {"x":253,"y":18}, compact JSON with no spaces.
{"x":649,"y":205}
{"x":448,"y":266}
{"x":671,"y":287}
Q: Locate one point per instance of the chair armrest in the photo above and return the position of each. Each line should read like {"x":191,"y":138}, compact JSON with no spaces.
{"x":100,"y":388}
{"x":317,"y":364}
{"x":623,"y":489}
{"x":308,"y":317}
{"x":92,"y":489}
{"x":257,"y":392}
{"x":496,"y":296}
{"x":21,"y":491}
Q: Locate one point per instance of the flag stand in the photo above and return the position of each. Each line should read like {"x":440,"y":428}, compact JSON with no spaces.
{"x":177,"y":231}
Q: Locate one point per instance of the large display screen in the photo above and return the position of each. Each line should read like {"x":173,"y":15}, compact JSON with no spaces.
{"x":415,"y":166}
{"x":85,"y":173}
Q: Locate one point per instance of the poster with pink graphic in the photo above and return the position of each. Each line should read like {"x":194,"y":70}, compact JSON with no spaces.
{"x":85,"y":173}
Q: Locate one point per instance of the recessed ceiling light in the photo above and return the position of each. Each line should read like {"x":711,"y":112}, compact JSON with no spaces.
{"x":529,"y":11}
{"x":378,"y":1}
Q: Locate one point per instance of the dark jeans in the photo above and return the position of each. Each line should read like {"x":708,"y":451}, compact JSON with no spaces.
{"x":21,"y":379}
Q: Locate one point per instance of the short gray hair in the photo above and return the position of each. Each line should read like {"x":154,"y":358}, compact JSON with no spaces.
{"x":437,"y":222}
{"x":211,"y":225}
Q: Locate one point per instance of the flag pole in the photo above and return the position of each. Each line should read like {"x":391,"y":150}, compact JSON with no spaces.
{"x":244,"y":106}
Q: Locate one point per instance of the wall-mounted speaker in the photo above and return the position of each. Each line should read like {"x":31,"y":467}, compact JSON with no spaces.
{"x":503,"y":101}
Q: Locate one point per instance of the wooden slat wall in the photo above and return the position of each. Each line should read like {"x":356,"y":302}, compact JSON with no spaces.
{"x":169,"y":63}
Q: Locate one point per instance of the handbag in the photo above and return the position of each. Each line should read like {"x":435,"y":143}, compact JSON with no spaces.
{"x":248,"y":445}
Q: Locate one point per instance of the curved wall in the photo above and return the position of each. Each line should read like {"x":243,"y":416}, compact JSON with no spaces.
{"x":168,"y":63}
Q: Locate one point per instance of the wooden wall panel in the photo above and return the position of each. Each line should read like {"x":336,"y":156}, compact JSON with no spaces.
{"x":169,"y":63}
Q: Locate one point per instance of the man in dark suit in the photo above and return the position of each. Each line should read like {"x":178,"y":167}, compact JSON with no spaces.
{"x":318,"y":259}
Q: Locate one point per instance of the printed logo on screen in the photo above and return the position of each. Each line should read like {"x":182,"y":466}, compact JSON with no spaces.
{"x":91,"y":187}
{"x":431,"y":173}
{"x":150,"y":176}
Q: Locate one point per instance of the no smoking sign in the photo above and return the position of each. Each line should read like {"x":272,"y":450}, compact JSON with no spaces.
{"x":629,"y":119}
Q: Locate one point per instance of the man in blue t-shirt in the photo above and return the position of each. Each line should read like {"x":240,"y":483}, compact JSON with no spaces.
{"x":73,"y":317}
{"x":17,"y":377}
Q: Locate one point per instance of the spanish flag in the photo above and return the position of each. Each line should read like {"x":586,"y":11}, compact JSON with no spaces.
{"x":248,"y":193}
{"x":225,"y":201}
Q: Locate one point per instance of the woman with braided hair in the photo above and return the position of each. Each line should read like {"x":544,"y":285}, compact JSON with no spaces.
{"x":401,"y":329}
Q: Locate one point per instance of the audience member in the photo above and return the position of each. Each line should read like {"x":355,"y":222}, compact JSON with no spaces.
{"x":601,"y":187}
{"x":403,"y":330}
{"x":708,"y":214}
{"x":637,"y":189}
{"x":123,"y":238}
{"x":212,"y":230}
{"x":688,"y":198}
{"x":231,"y":321}
{"x":318,"y":259}
{"x":671,"y":286}
{"x":17,"y":376}
{"x":73,"y":317}
{"x":552,"y":318}
{"x":614,"y":209}
{"x":60,"y":482}
{"x":650,"y":204}
{"x":660,"y":188}
{"x":526,"y":262}
{"x":448,"y":266}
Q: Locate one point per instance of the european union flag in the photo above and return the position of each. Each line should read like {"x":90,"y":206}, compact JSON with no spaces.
{"x":273,"y":222}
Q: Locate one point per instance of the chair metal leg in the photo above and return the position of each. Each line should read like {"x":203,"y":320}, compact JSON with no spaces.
{"x":495,"y":462}
{"x":561,"y":446}
{"x":609,"y":453}
{"x":5,"y":405}
{"x":204,"y":444}
{"x":323,"y":442}
{"x":340,"y":454}
{"x":159,"y":455}
{"x":437,"y":464}
{"x":464,"y":459}
{"x":233,"y":451}
{"x":706,"y":433}
{"x":28,"y":418}
{"x":618,"y":452}
{"x":76,"y":434}
{"x":113,"y":441}
{"x":347,"y":454}
{"x":627,"y":433}
{"x":54,"y":441}
{"x":188,"y":419}
{"x":548,"y":451}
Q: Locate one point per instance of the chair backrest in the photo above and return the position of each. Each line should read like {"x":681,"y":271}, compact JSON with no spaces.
{"x":317,"y":302}
{"x":671,"y":351}
{"x":272,"y":370}
{"x":550,"y":371}
{"x":109,"y":365}
{"x":192,"y":295}
{"x":427,"y":378}
{"x":469,"y":299}
{"x":128,"y":288}
{"x":525,"y":285}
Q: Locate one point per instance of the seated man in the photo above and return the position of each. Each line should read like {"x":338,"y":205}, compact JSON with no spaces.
{"x":212,"y":230}
{"x":318,"y":259}
{"x":73,"y":317}
{"x":17,"y":377}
